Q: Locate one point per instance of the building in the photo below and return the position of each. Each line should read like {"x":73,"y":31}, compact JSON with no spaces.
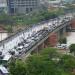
{"x":68,"y":1}
{"x":3,"y":6}
{"x":22,"y":6}
{"x":55,"y":3}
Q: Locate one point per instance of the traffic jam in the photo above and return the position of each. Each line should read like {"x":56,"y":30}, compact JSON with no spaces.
{"x":30,"y":37}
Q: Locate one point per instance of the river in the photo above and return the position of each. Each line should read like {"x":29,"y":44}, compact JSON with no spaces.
{"x":70,"y":38}
{"x":3,"y":36}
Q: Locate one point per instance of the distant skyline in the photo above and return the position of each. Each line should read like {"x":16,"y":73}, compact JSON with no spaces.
{"x":68,"y":0}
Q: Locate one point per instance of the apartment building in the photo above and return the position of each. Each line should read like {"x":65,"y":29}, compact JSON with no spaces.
{"x":22,"y":6}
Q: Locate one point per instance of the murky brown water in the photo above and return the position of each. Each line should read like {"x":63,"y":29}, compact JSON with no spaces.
{"x":70,"y":38}
{"x":3,"y":36}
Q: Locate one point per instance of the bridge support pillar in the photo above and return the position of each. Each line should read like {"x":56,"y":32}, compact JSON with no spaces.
{"x":41,"y":46}
{"x":35,"y":51}
{"x":52,"y":40}
{"x":64,"y":32}
{"x":61,"y":33}
{"x":73,"y":24}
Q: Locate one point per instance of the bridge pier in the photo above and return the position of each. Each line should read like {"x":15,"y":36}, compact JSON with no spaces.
{"x":71,"y":27}
{"x":73,"y":24}
{"x":41,"y":46}
{"x":46,"y":43}
{"x":51,"y":40}
{"x":62,"y":34}
{"x":37,"y":49}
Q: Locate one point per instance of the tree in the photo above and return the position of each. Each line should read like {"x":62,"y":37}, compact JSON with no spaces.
{"x":39,"y":66}
{"x":17,"y":68}
{"x":72,"y":48}
{"x":67,"y":62}
{"x":42,"y":64}
{"x":50,"y":53}
{"x":63,"y":40}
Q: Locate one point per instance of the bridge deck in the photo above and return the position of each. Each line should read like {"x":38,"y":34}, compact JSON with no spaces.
{"x":22,"y":44}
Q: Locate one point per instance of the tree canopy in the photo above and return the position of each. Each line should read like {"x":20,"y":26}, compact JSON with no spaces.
{"x":42,"y":64}
{"x":72,"y":48}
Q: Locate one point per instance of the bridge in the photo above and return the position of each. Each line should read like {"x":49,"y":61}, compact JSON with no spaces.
{"x":34,"y":38}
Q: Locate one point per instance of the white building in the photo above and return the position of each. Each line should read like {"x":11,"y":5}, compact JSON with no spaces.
{"x":54,"y":3}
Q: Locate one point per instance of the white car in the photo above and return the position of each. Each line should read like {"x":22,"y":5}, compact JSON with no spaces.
{"x":20,"y":47}
{"x":26,"y":45}
{"x":62,"y":46}
{"x":59,"y":46}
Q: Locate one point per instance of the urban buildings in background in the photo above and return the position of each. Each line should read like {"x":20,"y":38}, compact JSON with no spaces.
{"x":22,"y":6}
{"x":19,"y":6}
{"x":26,"y":6}
{"x":3,"y":6}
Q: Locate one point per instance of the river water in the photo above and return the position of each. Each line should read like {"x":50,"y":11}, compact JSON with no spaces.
{"x":70,"y":38}
{"x":3,"y":36}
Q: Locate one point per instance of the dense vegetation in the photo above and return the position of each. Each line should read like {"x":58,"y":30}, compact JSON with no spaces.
{"x":47,"y":62}
{"x":63,"y":40}
{"x":8,"y":21}
{"x":28,"y":19}
{"x":72,"y":48}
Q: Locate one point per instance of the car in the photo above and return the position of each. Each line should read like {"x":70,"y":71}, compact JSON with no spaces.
{"x":19,"y":47}
{"x":27,"y":47}
{"x":26,"y":41}
{"x":33,"y":42}
{"x":37,"y":39}
{"x":62,"y":46}
{"x":21,"y":44}
{"x":59,"y":46}
{"x":12,"y":51}
{"x":40,"y":36}
{"x":54,"y":25}
{"x":32,"y":38}
{"x":29,"y":42}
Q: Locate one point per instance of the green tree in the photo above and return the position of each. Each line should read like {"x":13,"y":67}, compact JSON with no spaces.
{"x":50,"y":53}
{"x":39,"y":66}
{"x":67,"y":62}
{"x":62,"y":40}
{"x":72,"y":48}
{"x":42,"y":64}
{"x":17,"y":68}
